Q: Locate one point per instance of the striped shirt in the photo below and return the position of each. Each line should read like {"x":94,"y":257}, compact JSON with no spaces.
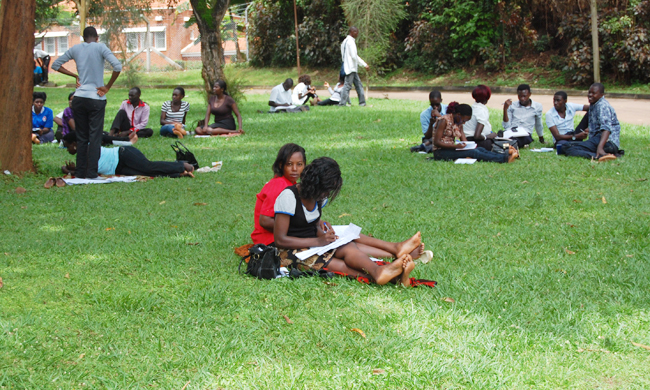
{"x":175,"y":116}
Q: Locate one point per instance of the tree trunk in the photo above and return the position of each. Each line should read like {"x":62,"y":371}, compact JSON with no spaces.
{"x":209,"y":22}
{"x":16,"y":68}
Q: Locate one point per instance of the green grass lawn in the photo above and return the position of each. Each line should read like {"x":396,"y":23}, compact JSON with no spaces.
{"x":133,"y":286}
{"x":512,"y":76}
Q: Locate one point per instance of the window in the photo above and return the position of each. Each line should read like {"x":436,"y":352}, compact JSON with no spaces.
{"x":159,"y":40}
{"x":63,"y":44}
{"x":131,"y":42}
{"x":50,"y":46}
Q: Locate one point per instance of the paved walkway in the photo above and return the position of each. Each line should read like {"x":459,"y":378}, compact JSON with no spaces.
{"x":632,"y":111}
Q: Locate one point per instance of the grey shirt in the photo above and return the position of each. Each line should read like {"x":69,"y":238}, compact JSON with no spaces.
{"x":89,"y":57}
{"x":525,"y":117}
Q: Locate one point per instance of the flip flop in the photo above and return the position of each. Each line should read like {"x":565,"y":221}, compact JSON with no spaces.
{"x":424,"y":258}
{"x":60,"y":182}
{"x":49,"y":183}
{"x":607,"y":157}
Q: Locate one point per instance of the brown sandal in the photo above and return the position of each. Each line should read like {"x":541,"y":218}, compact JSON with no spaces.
{"x":60,"y":182}
{"x":50,"y":183}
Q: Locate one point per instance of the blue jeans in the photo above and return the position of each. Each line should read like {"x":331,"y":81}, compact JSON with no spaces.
{"x":481,"y":154}
{"x":167,"y":131}
{"x":588,"y":148}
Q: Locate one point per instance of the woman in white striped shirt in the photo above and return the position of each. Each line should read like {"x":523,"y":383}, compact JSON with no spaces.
{"x":173,"y":113}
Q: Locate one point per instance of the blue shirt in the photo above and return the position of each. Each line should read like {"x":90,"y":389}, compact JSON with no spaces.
{"x":602,"y":117}
{"x":108,"y":160}
{"x":425,"y":117}
{"x":38,"y":70}
{"x":89,"y":58}
{"x":563,"y":125}
{"x":43,"y":119}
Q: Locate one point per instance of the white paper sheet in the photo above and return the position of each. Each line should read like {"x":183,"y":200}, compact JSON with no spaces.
{"x":465,"y":161}
{"x":542,"y":150}
{"x":518,"y":132}
{"x":350,"y":233}
{"x":469,"y":145}
{"x":101,"y":180}
{"x":122,"y":143}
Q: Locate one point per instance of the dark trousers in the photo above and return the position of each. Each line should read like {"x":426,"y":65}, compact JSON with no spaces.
{"x":583,"y":125}
{"x":89,"y":121}
{"x":523,"y":141}
{"x":327,"y":102}
{"x":481,"y":154}
{"x":133,"y":162}
{"x":45,"y":68}
{"x":352,"y":78}
{"x":588,"y":148}
{"x":122,"y":126}
{"x":108,"y":139}
{"x":485,"y":144}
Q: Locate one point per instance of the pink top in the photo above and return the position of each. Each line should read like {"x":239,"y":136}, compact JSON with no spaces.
{"x":139,"y":115}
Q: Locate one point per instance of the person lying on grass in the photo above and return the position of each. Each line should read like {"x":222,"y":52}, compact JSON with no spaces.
{"x":127,"y":160}
{"x":450,"y":126}
{"x":222,"y":106}
{"x":298,"y":227}
{"x":287,"y":168}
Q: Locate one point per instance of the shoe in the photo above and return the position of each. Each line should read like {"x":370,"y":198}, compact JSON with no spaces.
{"x":424,"y":258}
{"x":60,"y":182}
{"x":49,"y":183}
{"x":362,"y":104}
{"x":419,"y":148}
{"x":607,"y":157}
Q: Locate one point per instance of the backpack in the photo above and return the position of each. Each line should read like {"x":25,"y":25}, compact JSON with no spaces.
{"x":263,"y":262}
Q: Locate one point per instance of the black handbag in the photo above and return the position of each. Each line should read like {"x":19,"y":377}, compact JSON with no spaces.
{"x":263,"y":262}
{"x":501,"y":146}
{"x":184,"y":154}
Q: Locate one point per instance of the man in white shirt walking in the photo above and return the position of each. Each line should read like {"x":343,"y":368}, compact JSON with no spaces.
{"x":351,"y":62}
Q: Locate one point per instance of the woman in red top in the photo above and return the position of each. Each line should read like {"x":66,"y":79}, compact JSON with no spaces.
{"x":288,"y":166}
{"x":222,"y":106}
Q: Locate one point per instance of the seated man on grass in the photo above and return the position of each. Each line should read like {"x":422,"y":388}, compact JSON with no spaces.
{"x":522,"y":116}
{"x":428,"y":120}
{"x":559,"y":120}
{"x":281,"y":101}
{"x":132,"y":117}
{"x":604,"y":130}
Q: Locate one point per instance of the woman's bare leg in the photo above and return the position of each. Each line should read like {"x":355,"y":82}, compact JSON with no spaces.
{"x":356,"y":259}
{"x":378,"y":248}
{"x":373,"y":251}
{"x":338,"y":265}
{"x":408,"y":266}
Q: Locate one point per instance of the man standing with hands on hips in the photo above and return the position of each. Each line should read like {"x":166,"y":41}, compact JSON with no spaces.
{"x":89,"y":103}
{"x":351,"y":62}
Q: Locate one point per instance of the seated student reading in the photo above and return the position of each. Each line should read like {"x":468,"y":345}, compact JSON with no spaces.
{"x":559,"y":120}
{"x":222,"y":106}
{"x":42,"y":119}
{"x":133,"y":116}
{"x":522,"y":116}
{"x":478,"y":128}
{"x":450,"y":127}
{"x":173,"y":114}
{"x":281,"y":99}
{"x":428,"y":119}
{"x":65,"y":120}
{"x":335,"y":93}
{"x":127,"y":160}
{"x":304,"y":92}
{"x":287,"y":168}
{"x":298,"y":227}
{"x":604,"y":129}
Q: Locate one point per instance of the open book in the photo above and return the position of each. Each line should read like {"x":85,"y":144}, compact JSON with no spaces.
{"x":469,"y":145}
{"x":346,"y":234}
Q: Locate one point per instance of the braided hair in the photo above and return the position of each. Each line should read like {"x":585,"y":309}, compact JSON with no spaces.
{"x":321,"y":179}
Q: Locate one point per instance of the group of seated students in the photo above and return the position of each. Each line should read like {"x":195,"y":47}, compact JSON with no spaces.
{"x":446,"y":128}
{"x":283,"y":100}
{"x":130,"y":122}
{"x":288,"y":216}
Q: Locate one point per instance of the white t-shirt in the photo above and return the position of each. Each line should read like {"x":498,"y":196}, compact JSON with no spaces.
{"x":300,"y":89}
{"x":38,"y":53}
{"x":480,"y":114}
{"x":286,"y":204}
{"x":563,"y":125}
{"x":336,"y":92}
{"x":280,"y":96}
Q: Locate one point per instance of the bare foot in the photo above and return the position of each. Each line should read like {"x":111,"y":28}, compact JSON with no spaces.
{"x":387,"y":272}
{"x":409,"y":265}
{"x":417,"y":252}
{"x":406,"y":247}
{"x":189,"y":169}
{"x":133,"y":137}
